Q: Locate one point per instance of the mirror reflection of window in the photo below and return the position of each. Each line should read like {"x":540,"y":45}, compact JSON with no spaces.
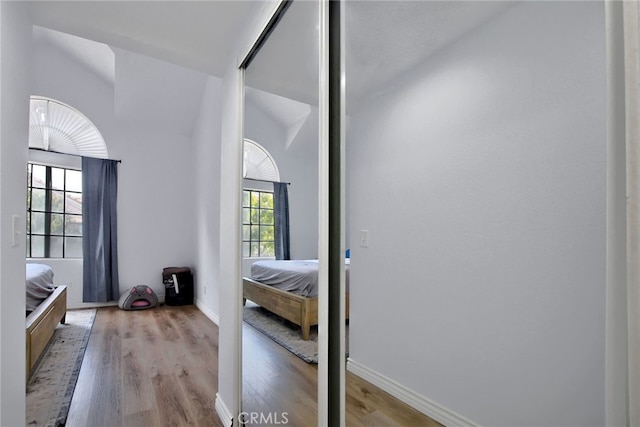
{"x":257,"y":163}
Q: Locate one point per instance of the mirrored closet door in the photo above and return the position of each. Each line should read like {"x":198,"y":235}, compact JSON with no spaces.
{"x":280,"y":221}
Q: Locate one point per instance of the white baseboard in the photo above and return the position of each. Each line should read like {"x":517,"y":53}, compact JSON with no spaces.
{"x":408,"y":396}
{"x":223,"y":412}
{"x":79,"y":305}
{"x":207,"y":312}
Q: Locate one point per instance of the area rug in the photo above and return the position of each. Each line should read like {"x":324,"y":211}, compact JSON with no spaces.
{"x":285,"y":333}
{"x":54,"y":377}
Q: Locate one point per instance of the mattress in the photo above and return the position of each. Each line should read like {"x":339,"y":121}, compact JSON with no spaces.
{"x":39,"y":284}
{"x":297,"y":276}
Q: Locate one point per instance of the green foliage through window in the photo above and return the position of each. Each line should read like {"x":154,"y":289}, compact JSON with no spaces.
{"x":258,"y":229}
{"x":54,"y":212}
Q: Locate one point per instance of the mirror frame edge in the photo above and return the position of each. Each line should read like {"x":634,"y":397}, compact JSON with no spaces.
{"x":266,"y":20}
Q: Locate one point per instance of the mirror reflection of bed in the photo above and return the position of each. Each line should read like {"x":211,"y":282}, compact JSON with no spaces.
{"x":288,"y":288}
{"x":46,"y":307}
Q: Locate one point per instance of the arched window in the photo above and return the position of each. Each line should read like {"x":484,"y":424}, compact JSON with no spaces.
{"x":54,"y":191}
{"x":257,"y":163}
{"x":258,"y":225}
{"x":55,"y":126}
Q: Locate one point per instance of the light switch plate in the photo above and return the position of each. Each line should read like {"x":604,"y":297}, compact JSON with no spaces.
{"x":16,"y":231}
{"x":364,"y":238}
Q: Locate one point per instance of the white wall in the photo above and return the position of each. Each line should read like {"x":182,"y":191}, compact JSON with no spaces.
{"x":300,"y":162}
{"x":480,"y":176}
{"x":207,"y":146}
{"x":58,"y":74}
{"x":156,"y":200}
{"x":156,"y":190}
{"x":157,"y":178}
{"x":15,"y":37}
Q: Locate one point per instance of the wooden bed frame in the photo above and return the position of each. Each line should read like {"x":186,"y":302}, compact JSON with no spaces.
{"x":302,"y":311}
{"x":41,"y":323}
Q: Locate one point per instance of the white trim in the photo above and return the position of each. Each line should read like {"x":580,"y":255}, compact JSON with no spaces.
{"x":420,"y":403}
{"x":223,"y":412}
{"x":323,"y":216}
{"x":343,"y":204}
{"x":616,"y":351}
{"x":56,"y":160}
{"x":214,"y":317}
{"x":631,"y":14}
{"x":237,"y":276}
{"x":79,"y":305}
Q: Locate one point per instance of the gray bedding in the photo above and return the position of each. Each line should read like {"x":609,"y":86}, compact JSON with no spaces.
{"x":297,"y":276}
{"x":39,"y":284}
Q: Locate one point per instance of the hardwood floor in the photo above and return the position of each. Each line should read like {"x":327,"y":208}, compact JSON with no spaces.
{"x":159,"y":367}
{"x":148,"y":368}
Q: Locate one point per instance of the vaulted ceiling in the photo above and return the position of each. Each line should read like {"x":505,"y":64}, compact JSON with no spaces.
{"x":196,"y":34}
{"x":383,"y":40}
{"x":156,"y":55}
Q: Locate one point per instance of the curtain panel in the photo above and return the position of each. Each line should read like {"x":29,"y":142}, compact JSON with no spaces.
{"x":100,"y":230}
{"x":281,"y":220}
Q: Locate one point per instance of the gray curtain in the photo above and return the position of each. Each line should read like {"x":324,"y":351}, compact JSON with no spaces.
{"x":100,"y":230}
{"x":281,"y":219}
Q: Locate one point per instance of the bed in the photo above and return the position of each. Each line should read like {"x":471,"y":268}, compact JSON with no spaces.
{"x":288,"y":289}
{"x":46,"y":306}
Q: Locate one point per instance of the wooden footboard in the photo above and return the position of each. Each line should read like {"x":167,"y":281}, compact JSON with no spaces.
{"x":41,"y":323}
{"x":302,"y":311}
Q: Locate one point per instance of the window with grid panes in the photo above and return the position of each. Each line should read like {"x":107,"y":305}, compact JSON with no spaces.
{"x":54,"y":212}
{"x":257,"y":224}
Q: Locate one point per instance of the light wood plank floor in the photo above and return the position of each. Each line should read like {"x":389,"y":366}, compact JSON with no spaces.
{"x":159,"y":367}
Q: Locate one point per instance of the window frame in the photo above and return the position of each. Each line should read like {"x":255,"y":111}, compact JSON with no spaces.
{"x":259,"y":242}
{"x":49,"y":212}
